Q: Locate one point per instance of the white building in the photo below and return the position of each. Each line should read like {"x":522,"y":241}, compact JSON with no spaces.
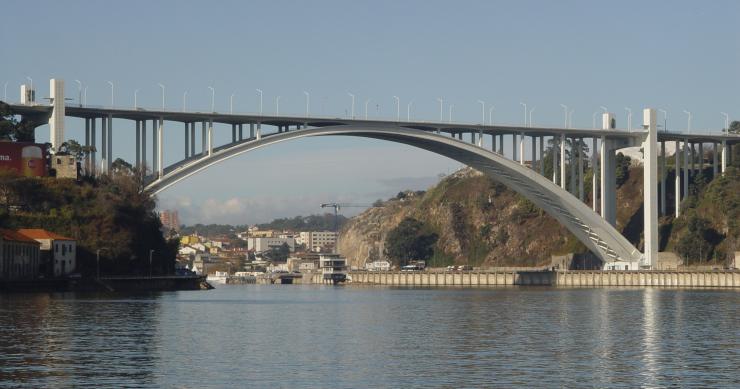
{"x":188,"y":250}
{"x":59,"y":252}
{"x":318,"y":241}
{"x":622,"y":265}
{"x":259,"y":245}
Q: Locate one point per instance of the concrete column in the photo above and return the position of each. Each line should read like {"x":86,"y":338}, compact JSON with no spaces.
{"x":542,"y":156}
{"x":513,"y":147}
{"x":138,"y":144}
{"x":562,"y":161}
{"x":241,"y":131}
{"x":723,"y":157}
{"x":155,"y":124}
{"x":187,"y":139}
{"x":701,"y":157}
{"x":573,"y":165}
{"x":608,"y":182}
{"x":472,"y":137}
{"x":555,"y":149}
{"x":160,"y":148}
{"x":692,"y":152}
{"x":87,"y":144}
{"x":493,"y":143}
{"x":677,"y":179}
{"x":650,"y":188}
{"x":192,"y":139}
{"x":480,"y":138}
{"x":233,"y":133}
{"x":104,"y":144}
{"x":501,"y":144}
{"x":251,"y":130}
{"x":110,"y":141}
{"x":714,"y":159}
{"x":663,"y":177}
{"x":594,"y":177}
{"x":259,"y":131}
{"x":521,"y":149}
{"x":203,"y":142}
{"x":93,"y":142}
{"x":143,"y":144}
{"x":580,"y":169}
{"x":210,"y":136}
{"x":686,"y":168}
{"x":533,"y":141}
{"x":460,"y":135}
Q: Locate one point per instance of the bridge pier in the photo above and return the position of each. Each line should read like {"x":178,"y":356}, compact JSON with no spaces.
{"x":110,"y":142}
{"x":686,"y":167}
{"x":493,"y":142}
{"x":233,"y":133}
{"x":542,"y":156}
{"x":724,"y":157}
{"x":154,"y":147}
{"x":562,"y":161}
{"x":513,"y":146}
{"x":533,"y":141}
{"x":594,"y":176}
{"x":87,"y":144}
{"x":701,"y":157}
{"x":241,"y":132}
{"x":94,"y":154}
{"x":650,"y":188}
{"x":138,"y":144}
{"x":187,"y":140}
{"x":555,"y":148}
{"x":103,"y":145}
{"x":160,"y":148}
{"x":663,"y":178}
{"x":203,"y":138}
{"x":143,"y":145}
{"x":714,"y":160}
{"x":480,"y":138}
{"x":259,"y":131}
{"x":677,"y":179}
{"x":521,"y":148}
{"x":210,"y":136}
{"x":573,"y":163}
{"x":580,"y":169}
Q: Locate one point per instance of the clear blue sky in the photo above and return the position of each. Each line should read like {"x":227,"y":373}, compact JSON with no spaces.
{"x":674,"y":55}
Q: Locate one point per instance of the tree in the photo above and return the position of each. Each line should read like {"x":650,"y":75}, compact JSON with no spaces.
{"x":623,"y":168}
{"x":734,"y":127}
{"x":410,"y":240}
{"x":120,"y":166}
{"x":12,"y":129}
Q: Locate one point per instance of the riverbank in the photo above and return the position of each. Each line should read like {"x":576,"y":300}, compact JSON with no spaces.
{"x":583,"y":278}
{"x":108,"y":284}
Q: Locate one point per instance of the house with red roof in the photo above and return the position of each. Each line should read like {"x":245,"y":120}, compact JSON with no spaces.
{"x":58,"y":253}
{"x":19,"y":256}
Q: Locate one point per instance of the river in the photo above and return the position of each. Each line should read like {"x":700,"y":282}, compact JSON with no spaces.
{"x":322,"y":336}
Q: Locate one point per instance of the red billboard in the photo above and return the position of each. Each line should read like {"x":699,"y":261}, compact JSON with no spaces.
{"x":27,"y":159}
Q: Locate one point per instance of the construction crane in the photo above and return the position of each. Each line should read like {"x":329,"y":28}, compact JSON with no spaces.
{"x":338,"y":206}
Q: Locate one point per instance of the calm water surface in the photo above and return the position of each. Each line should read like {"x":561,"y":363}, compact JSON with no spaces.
{"x":316,"y":336}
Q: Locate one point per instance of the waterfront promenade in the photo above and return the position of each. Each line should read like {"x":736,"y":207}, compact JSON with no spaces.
{"x":585,"y":278}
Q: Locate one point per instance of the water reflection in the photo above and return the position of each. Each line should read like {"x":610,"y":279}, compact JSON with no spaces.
{"x":303,"y":336}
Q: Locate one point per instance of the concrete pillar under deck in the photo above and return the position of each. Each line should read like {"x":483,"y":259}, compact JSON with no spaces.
{"x":259,"y":131}
{"x":608,"y":182}
{"x":93,"y":141}
{"x":104,"y":144}
{"x":562,"y":161}
{"x":110,"y":141}
{"x":513,"y":147}
{"x":233,"y":133}
{"x":87,"y":143}
{"x":573,"y":183}
{"x":677,"y":179}
{"x":160,"y":148}
{"x":493,"y":143}
{"x":723,"y":158}
{"x":138,"y":144}
{"x":521,"y":149}
{"x":714,"y":160}
{"x":663,"y":178}
{"x":650,"y":188}
{"x":187,"y":139}
{"x":594,"y":177}
{"x":701,"y":157}
{"x":241,"y":131}
{"x":472,"y":137}
{"x":555,"y":149}
{"x":686,"y":168}
{"x":210,"y":137}
{"x":692,"y":152}
{"x":480,"y":138}
{"x":251,"y":130}
{"x":192,"y":139}
{"x":203,"y":138}
{"x":580,"y":169}
{"x":542,"y":156}
{"x":533,"y":141}
{"x":155,"y":146}
{"x":143,"y":144}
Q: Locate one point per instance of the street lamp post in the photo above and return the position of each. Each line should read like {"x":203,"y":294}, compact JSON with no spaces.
{"x":727,"y":121}
{"x":30,"y":81}
{"x":398,"y":108}
{"x":84,"y":96}
{"x":79,"y":92}
{"x":111,"y":92}
{"x":151,"y":251}
{"x":162,"y":86}
{"x":366,"y":103}
{"x":184,"y":100}
{"x":450,"y":116}
{"x":231,"y":103}
{"x":260,"y":92}
{"x":308,"y":102}
{"x":483,"y":111}
{"x":688,"y":128}
{"x":277,"y":106}
{"x":408,"y":110}
{"x":5,"y":92}
{"x":665,"y":119}
{"x":353,"y":104}
{"x":530,"y":116}
{"x":570,"y":118}
{"x":593,"y":119}
{"x":490,"y":115}
{"x":136,"y":95}
{"x":213,"y":98}
{"x":629,"y":118}
{"x":525,"y":112}
{"x":565,"y":112}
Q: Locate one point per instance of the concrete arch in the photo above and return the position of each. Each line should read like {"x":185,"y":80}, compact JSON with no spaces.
{"x":598,"y":235}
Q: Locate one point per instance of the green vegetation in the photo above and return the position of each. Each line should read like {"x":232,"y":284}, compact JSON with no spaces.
{"x":623,"y":168}
{"x":323,"y":222}
{"x":13,"y":130}
{"x":410,"y":240}
{"x":110,"y":213}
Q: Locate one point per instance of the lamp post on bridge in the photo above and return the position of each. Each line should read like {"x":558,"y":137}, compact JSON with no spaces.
{"x":408,"y":110}
{"x":593,"y":119}
{"x":441,"y":101}
{"x":184,"y":100}
{"x":353,"y":105}
{"x":483,"y":111}
{"x":525,"y":112}
{"x":366,"y":103}
{"x":450,"y":117}
{"x":136,"y":94}
{"x":111,"y":92}
{"x":231,"y":103}
{"x":162,"y":86}
{"x":490,"y":115}
{"x":308,"y":102}
{"x":213,"y":98}
{"x":398,"y":108}
{"x":84,"y":96}
{"x":665,"y":119}
{"x":688,"y":128}
{"x":565,"y":112}
{"x":727,"y":121}
{"x":79,"y":92}
{"x":530,"y":116}
{"x":629,"y":118}
{"x":277,"y":106}
{"x":260,"y":92}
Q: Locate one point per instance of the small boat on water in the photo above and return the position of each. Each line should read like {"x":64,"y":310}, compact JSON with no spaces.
{"x":218,"y":277}
{"x":333,"y":268}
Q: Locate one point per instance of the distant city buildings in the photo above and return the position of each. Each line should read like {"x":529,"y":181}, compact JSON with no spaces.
{"x":259,"y":245}
{"x":170,"y":220}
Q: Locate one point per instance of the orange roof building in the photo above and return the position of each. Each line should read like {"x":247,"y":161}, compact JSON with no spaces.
{"x":40,"y":233}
